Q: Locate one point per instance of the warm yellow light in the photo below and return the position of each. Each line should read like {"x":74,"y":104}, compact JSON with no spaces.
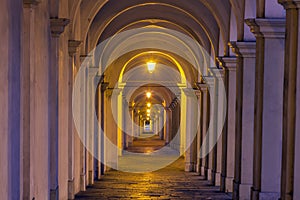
{"x":151,"y":66}
{"x":148,"y":94}
{"x":148,"y":118}
{"x":148,"y":105}
{"x":148,"y":115}
{"x":148,"y":110}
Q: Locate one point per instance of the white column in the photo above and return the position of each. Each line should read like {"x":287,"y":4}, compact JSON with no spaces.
{"x":199,"y":139}
{"x":73,"y":49}
{"x":27,"y":100}
{"x":205,"y":123}
{"x":290,"y":178}
{"x":90,"y":122}
{"x":229,"y":64}
{"x":210,"y":81}
{"x":270,"y":34}
{"x":244,"y":119}
{"x":220,"y":112}
{"x":57,"y":28}
{"x":111,"y":130}
{"x":190,"y":132}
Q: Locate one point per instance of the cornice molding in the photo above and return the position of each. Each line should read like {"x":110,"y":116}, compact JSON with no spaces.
{"x":31,"y":3}
{"x":228,"y":63}
{"x":290,"y":4}
{"x":73,"y":46}
{"x":243,"y":49}
{"x":267,"y":28}
{"x":57,"y":26}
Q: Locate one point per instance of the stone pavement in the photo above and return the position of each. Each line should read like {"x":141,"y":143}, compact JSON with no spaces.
{"x":170,"y":182}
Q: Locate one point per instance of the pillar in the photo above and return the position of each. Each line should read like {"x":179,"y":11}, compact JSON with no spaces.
{"x":10,"y":79}
{"x":191,"y":123}
{"x":219,"y":117}
{"x":212,"y":155}
{"x":244,"y":118}
{"x":229,"y":64}
{"x":91,"y":129}
{"x":111,"y":130}
{"x":57,"y":26}
{"x":101,"y":131}
{"x":73,"y":49}
{"x":27,"y":96}
{"x":270,"y":35}
{"x":290,"y":176}
{"x":205,"y":113}
{"x":199,"y":133}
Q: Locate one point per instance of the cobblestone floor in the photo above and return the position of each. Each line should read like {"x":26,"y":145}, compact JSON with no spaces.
{"x":168,"y":183}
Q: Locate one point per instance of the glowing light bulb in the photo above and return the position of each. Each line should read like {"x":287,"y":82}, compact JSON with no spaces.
{"x":148,"y":105}
{"x":148,"y":110}
{"x":148,"y":94}
{"x":151,"y":66}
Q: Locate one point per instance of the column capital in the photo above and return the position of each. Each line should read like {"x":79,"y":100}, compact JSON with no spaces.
{"x":243,"y":49}
{"x":228,"y":63}
{"x":216,"y":72}
{"x":202,"y":87}
{"x":73,"y":46}
{"x":31,"y":3}
{"x":190,"y":92}
{"x":267,"y":28}
{"x":290,"y":4}
{"x":57,"y":26}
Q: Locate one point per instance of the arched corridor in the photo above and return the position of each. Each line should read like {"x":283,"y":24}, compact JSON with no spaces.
{"x":117,"y":98}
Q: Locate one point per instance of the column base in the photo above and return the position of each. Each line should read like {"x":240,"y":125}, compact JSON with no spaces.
{"x":265,"y":195}
{"x":91,"y":177}
{"x":217,"y":179}
{"x":203,"y":172}
{"x":229,"y":184}
{"x":54,"y":194}
{"x":198,"y":169}
{"x":111,"y":166}
{"x":236,"y":190}
{"x":209,"y":175}
{"x":189,"y":167}
{"x":82,"y":182}
{"x":244,"y":191}
{"x":71,"y":193}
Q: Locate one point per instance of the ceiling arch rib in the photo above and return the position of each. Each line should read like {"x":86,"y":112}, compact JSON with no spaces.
{"x":219,"y":8}
{"x":203,"y":16}
{"x":113,"y":73}
{"x":158,"y":92}
{"x":135,"y":40}
{"x":113,"y":28}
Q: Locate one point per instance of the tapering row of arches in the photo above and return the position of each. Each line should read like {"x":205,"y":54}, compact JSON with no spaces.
{"x":52,"y":146}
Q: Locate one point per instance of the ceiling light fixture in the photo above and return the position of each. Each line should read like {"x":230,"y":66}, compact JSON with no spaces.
{"x":148,"y":94}
{"x":151,"y":66}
